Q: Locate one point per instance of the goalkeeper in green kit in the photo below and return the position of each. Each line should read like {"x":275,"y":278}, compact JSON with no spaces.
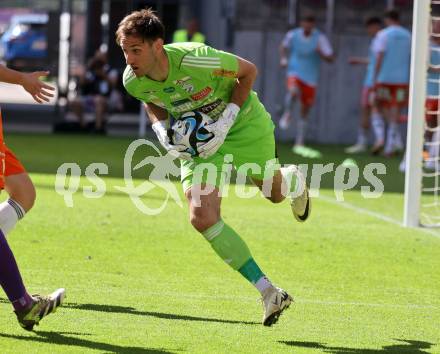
{"x":177,"y":78}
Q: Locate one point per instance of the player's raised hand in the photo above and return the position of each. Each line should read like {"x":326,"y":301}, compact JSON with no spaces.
{"x":40,"y":91}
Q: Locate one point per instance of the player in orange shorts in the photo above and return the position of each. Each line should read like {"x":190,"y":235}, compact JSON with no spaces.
{"x":301,"y":51}
{"x":14,"y":179}
{"x":393,"y":48}
{"x":9,"y":164}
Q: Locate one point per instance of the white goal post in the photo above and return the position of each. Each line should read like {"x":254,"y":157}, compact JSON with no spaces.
{"x":416,"y":116}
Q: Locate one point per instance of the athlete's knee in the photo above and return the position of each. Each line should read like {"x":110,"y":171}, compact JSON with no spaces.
{"x":204,"y":209}
{"x":31,"y":199}
{"x":23,"y":192}
{"x":203,"y":218}
{"x":26,"y":200}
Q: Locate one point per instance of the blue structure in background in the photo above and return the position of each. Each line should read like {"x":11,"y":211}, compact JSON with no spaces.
{"x":25,"y":38}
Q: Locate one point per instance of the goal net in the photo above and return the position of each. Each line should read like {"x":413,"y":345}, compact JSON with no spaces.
{"x":422,"y":184}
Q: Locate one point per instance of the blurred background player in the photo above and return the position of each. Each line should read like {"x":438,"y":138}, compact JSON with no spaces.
{"x":301,"y":52}
{"x":190,"y":33}
{"x":432,"y":100}
{"x":218,"y":84}
{"x":369,"y":113}
{"x":14,"y":179}
{"x":391,"y":77}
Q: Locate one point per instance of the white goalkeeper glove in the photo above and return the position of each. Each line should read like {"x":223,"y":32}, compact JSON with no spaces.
{"x":160,"y":128}
{"x":220,"y":129}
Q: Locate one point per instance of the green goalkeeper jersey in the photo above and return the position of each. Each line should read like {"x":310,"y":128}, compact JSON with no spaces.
{"x":199,"y":78}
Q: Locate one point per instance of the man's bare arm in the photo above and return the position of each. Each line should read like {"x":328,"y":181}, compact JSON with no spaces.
{"x":283,"y":56}
{"x":30,"y":81}
{"x":247,"y":72}
{"x":155,"y":113}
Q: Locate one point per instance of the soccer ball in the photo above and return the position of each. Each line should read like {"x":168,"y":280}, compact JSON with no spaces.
{"x":189,"y":130}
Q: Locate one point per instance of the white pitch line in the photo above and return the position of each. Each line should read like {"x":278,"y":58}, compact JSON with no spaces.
{"x":318,"y":302}
{"x":235,"y":298}
{"x":374,"y":214}
{"x":368,"y":304}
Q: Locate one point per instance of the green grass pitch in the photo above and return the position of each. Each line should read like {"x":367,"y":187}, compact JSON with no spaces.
{"x":151,"y":284}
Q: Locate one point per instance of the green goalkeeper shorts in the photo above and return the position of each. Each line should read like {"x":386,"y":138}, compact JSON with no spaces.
{"x":250,"y":144}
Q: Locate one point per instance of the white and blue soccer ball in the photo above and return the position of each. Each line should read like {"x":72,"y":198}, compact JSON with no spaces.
{"x":189,"y":130}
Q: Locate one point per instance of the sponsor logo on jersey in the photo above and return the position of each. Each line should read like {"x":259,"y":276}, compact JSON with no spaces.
{"x":225,"y":73}
{"x":169,"y":89}
{"x":201,"y":94}
{"x":185,"y":107}
{"x":207,"y":108}
{"x":180,"y":102}
{"x":175,"y":96}
{"x":149,"y":92}
{"x":185,"y":84}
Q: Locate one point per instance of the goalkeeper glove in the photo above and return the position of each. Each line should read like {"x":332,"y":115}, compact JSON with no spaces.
{"x":160,"y":128}
{"x":220,"y":129}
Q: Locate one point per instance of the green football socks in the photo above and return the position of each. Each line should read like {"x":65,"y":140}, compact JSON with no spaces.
{"x":233,"y":250}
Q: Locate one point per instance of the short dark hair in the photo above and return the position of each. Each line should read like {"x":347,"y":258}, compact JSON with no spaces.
{"x":143,"y":23}
{"x":392,"y":15}
{"x":373,"y":21}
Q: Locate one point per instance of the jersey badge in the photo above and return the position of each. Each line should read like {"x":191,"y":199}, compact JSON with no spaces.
{"x":225,"y":73}
{"x":185,"y":84}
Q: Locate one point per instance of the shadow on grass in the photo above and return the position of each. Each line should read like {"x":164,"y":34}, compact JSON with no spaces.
{"x":61,"y":339}
{"x":406,"y":346}
{"x":133,"y":311}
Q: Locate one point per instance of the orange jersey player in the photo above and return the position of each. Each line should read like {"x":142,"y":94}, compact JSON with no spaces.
{"x":14,"y":179}
{"x":9,"y":163}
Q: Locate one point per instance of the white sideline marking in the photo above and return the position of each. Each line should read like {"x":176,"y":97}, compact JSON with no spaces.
{"x":315,"y":302}
{"x":374,"y":214}
{"x":367,"y":304}
{"x":301,"y":301}
{"x":320,"y":302}
{"x":233,"y":298}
